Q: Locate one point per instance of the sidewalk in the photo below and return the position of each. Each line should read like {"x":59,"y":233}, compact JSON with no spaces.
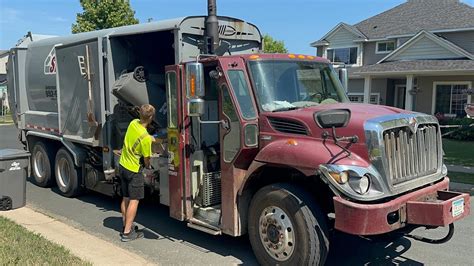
{"x":80,"y":243}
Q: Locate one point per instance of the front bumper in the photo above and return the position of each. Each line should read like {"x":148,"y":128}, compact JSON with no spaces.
{"x":430,"y":206}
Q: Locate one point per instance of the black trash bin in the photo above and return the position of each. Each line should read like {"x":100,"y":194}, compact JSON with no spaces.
{"x":13,"y":172}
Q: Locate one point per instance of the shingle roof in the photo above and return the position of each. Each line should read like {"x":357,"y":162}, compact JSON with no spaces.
{"x":418,"y":65}
{"x":416,"y":15}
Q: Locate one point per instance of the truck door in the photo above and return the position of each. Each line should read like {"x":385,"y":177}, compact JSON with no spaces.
{"x":238,"y":136}
{"x":175,"y":141}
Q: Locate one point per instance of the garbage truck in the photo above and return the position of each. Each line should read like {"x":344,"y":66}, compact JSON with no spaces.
{"x":247,"y":143}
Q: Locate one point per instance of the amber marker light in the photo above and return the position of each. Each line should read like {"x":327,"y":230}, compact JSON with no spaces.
{"x":310,"y":57}
{"x":193,"y":85}
{"x":292,"y":56}
{"x":301,"y":56}
{"x":340,"y":178}
{"x":254,"y":57}
{"x":292,"y":142}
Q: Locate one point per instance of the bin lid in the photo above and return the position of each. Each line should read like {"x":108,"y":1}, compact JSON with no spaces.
{"x":8,"y":154}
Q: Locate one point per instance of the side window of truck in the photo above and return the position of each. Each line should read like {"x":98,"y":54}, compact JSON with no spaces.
{"x":232,"y":138}
{"x":172,"y":100}
{"x":242,"y":93}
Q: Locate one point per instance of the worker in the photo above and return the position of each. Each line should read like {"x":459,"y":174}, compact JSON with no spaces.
{"x":137,"y":144}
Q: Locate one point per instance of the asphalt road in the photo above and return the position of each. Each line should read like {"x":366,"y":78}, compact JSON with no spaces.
{"x":168,"y":241}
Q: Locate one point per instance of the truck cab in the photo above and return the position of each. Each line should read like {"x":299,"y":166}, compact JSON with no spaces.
{"x":252,"y":137}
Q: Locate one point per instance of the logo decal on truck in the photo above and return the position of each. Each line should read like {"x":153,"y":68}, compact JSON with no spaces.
{"x":14,"y":166}
{"x":50,"y":63}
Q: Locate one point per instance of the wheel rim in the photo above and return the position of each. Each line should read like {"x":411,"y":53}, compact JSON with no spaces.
{"x":63,"y":172}
{"x":277,"y":233}
{"x":39,"y":163}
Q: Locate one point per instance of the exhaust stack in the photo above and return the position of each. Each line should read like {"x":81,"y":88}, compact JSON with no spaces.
{"x":212,"y":27}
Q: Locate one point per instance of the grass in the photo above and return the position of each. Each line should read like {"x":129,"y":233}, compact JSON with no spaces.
{"x":7,"y":119}
{"x":458,"y":152}
{"x":19,"y":246}
{"x":461,"y":178}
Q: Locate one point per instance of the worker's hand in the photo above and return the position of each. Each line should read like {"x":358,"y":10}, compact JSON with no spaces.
{"x":152,"y":138}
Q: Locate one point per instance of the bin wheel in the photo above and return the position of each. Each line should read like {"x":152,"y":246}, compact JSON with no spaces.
{"x":41,"y":165}
{"x":286,"y":227}
{"x":68,"y":176}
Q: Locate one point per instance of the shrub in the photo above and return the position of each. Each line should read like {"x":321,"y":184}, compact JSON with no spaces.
{"x":466,"y":132}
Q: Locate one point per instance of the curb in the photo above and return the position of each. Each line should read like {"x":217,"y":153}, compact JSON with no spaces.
{"x":460,"y":169}
{"x":96,"y":251}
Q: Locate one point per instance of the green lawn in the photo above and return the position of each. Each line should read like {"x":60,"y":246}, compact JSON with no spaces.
{"x":7,"y":119}
{"x":19,"y":246}
{"x":458,"y":152}
{"x":461,"y":178}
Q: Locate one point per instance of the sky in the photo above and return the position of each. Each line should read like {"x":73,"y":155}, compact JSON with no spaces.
{"x":296,"y":22}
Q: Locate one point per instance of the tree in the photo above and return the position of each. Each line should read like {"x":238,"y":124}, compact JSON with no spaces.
{"x":271,"y":45}
{"x":103,"y":14}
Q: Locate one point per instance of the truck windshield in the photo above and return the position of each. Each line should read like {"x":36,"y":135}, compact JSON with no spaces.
{"x":285,"y":85}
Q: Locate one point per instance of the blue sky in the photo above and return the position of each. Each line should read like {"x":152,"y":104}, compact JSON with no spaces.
{"x":296,"y":22}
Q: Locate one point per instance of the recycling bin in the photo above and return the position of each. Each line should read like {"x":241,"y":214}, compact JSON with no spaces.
{"x":13,"y":172}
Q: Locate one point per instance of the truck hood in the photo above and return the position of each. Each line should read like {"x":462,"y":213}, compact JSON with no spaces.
{"x":360,"y":113}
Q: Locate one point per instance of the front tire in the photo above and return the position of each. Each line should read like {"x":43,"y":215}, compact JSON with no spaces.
{"x":286,"y":227}
{"x":41,"y":165}
{"x":68,"y":177}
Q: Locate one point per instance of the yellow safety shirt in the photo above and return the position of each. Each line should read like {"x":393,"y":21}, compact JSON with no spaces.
{"x":137,"y":143}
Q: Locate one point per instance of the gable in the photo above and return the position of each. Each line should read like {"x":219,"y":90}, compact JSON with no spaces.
{"x":341,"y":38}
{"x":425,"y":48}
{"x":426,"y":45}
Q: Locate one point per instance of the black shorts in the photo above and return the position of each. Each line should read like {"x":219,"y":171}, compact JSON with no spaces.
{"x":132,"y":184}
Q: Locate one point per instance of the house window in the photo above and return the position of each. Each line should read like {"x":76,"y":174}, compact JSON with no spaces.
{"x":385,"y":47}
{"x":451,"y":99}
{"x":359,"y":98}
{"x":343,"y":55}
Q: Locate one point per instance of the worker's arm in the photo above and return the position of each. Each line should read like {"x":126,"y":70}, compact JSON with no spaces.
{"x":146,"y":151}
{"x":146,"y":160}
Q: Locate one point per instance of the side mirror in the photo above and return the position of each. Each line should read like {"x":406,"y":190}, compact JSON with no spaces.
{"x":344,"y":78}
{"x":195,"y":107}
{"x":194,"y":80}
{"x":332,"y":118}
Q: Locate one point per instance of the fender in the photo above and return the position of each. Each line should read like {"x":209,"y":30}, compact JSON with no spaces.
{"x":306,"y":155}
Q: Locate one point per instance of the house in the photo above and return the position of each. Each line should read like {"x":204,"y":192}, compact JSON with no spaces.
{"x":3,"y":79}
{"x":418,"y":56}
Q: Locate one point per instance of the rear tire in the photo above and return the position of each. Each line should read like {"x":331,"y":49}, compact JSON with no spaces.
{"x":68,"y":176}
{"x":41,"y":165}
{"x":286,"y":227}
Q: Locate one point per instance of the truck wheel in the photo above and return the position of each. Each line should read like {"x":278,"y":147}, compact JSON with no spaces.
{"x":68,"y":177}
{"x":41,"y":165}
{"x":286,"y":227}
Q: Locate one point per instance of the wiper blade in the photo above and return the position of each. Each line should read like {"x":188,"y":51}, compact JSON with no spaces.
{"x":285,"y":109}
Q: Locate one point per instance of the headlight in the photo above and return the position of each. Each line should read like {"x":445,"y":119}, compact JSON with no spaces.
{"x":360,"y":184}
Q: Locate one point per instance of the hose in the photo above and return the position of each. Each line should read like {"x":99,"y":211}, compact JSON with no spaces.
{"x":434,"y":241}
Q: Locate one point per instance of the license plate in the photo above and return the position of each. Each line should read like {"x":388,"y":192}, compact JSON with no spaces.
{"x":458,"y":207}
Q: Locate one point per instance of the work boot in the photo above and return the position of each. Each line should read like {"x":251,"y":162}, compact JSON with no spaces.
{"x":132,"y":235}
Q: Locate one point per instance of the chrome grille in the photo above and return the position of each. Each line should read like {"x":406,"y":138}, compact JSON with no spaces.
{"x":410,"y":155}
